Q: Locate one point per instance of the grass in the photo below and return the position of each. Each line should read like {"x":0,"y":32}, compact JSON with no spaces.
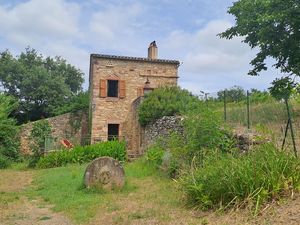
{"x":252,"y":179}
{"x":63,"y":188}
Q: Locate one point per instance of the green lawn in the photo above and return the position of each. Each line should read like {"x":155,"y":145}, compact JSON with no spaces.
{"x":63,"y":187}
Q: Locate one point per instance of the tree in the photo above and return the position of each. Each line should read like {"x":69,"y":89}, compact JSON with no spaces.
{"x":40,"y":84}
{"x":271,"y":26}
{"x":75,"y":103}
{"x":234,"y":94}
{"x":9,"y":141}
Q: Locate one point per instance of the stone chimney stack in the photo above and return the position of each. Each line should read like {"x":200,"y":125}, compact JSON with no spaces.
{"x":152,"y":50}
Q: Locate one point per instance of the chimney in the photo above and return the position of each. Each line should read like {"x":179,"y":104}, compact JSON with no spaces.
{"x":152,"y":50}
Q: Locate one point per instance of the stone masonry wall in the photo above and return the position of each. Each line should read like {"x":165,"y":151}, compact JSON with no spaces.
{"x":162,"y":128}
{"x":71,"y":126}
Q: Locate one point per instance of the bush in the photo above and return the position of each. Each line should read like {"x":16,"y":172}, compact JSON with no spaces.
{"x":154,"y":155}
{"x":226,"y":180}
{"x":4,"y":162}
{"x":205,"y":130}
{"x":166,"y":101}
{"x":9,"y":140}
{"x":82,"y":154}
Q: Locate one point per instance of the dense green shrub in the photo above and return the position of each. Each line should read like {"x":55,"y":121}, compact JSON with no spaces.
{"x":154,"y":155}
{"x":226,"y":180}
{"x":4,"y":162}
{"x":166,"y":101}
{"x":9,"y":141}
{"x":81,"y":154}
{"x":204,"y":129}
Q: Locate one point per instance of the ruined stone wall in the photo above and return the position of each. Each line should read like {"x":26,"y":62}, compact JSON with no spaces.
{"x":71,"y":126}
{"x":106,"y":110}
{"x":161,"y":129}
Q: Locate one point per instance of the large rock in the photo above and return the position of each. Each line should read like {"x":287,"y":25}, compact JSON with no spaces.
{"x":104,"y":173}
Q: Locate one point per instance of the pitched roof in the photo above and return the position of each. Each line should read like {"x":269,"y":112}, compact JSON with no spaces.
{"x":129,"y":58}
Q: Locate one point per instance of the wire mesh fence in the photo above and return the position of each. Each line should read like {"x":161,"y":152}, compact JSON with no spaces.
{"x":255,"y":111}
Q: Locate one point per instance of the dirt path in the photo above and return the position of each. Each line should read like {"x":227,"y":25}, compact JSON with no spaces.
{"x":17,"y":209}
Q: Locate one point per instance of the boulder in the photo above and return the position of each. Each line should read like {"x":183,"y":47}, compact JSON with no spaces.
{"x":104,"y":173}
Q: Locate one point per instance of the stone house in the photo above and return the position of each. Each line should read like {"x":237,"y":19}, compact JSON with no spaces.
{"x":116,"y":85}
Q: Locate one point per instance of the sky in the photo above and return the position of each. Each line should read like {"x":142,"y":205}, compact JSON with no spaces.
{"x":185,"y":30}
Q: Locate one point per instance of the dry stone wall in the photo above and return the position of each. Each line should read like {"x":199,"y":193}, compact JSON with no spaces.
{"x":161,"y":129}
{"x":71,"y":126}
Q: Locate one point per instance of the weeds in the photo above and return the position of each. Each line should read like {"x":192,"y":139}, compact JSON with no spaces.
{"x":226,"y":180}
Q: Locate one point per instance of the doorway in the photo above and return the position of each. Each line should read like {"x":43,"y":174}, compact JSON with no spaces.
{"x":113,"y":132}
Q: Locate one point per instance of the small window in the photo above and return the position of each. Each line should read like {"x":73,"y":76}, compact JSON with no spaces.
{"x":113,"y":132}
{"x":112,"y":88}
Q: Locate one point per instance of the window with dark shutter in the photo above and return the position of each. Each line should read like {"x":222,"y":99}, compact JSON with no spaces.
{"x":113,"y":88}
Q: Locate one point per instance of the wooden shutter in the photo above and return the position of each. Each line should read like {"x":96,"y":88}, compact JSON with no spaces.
{"x":140,"y":91}
{"x":122,"y":89}
{"x":103,"y":91}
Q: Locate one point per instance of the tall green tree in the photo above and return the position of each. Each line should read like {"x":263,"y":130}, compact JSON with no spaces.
{"x":9,"y":141}
{"x":234,"y":94}
{"x":272,"y":27}
{"x":40,"y":84}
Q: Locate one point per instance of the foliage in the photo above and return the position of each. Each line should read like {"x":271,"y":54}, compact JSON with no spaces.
{"x":74,"y":103}
{"x":272,"y":28}
{"x":9,"y":141}
{"x":283,"y":88}
{"x":40,"y":131}
{"x":4,"y":162}
{"x":82,"y":154}
{"x":40,"y":84}
{"x":226,"y":180}
{"x":257,"y":96}
{"x":204,"y":129}
{"x":166,"y":101}
{"x":234,"y":94}
{"x":154,"y":155}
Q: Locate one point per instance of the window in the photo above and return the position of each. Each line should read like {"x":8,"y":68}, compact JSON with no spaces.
{"x":113,"y":132}
{"x":112,"y":88}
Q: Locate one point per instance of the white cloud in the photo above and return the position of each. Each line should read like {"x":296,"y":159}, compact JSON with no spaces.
{"x":211,"y":63}
{"x":115,"y":26}
{"x":38,"y":21}
{"x":74,"y":30}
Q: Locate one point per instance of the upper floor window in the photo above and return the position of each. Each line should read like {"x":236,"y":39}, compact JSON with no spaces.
{"x":112,"y":88}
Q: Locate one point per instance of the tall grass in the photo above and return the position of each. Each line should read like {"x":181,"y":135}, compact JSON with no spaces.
{"x":227,"y":180}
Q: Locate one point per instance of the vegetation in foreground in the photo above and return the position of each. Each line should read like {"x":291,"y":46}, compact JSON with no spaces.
{"x":227,"y":180}
{"x":63,"y":187}
{"x":9,"y":144}
{"x":213,"y":173}
{"x":82,"y":154}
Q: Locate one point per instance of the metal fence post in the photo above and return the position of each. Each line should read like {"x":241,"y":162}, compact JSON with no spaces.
{"x":225,"y":109}
{"x":248,"y":109}
{"x":291,"y":125}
